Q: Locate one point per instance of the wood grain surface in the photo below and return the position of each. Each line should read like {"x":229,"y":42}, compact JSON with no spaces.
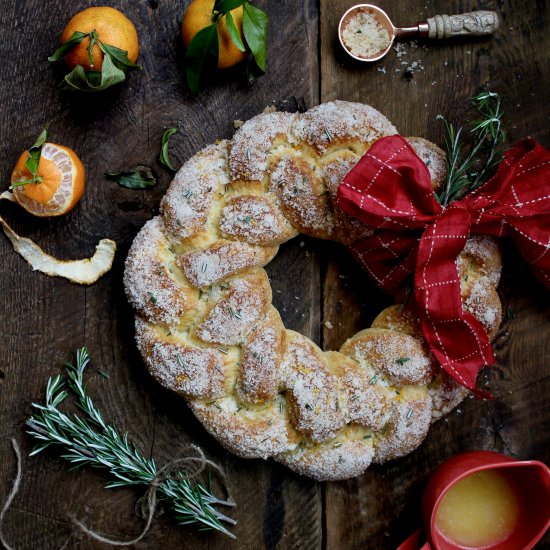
{"x":43,"y":320}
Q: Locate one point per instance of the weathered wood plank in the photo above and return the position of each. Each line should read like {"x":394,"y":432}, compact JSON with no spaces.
{"x":379,"y":509}
{"x":44,"y":320}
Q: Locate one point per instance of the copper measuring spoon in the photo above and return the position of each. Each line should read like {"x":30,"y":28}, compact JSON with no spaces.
{"x":476,"y":23}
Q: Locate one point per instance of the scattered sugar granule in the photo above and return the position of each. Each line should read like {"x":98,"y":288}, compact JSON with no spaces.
{"x":329,"y":325}
{"x":237,"y":123}
{"x":364,"y":36}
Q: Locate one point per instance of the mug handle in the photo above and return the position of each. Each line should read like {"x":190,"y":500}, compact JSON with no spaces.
{"x":414,"y":541}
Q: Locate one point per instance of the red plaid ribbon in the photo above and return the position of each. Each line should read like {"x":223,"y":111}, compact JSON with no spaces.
{"x":390,"y":189}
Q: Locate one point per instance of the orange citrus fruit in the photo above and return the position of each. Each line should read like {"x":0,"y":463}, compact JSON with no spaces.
{"x":199,"y":15}
{"x":62,"y":182}
{"x":113,"y":28}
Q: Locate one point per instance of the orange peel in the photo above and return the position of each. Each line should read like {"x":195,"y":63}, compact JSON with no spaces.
{"x":84,"y":272}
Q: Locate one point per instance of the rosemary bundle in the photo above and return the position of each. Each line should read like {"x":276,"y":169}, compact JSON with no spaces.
{"x":469,"y":167}
{"x":88,"y":440}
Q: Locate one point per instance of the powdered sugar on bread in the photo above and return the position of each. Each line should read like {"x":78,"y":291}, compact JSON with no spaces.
{"x":207,"y":329}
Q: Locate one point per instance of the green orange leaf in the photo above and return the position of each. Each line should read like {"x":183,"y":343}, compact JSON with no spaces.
{"x":119,"y":57}
{"x":234,"y":32}
{"x":64,"y":49}
{"x":164,"y":156}
{"x":201,"y":58}
{"x":255,"y":23}
{"x":141,"y":178}
{"x":225,"y":6}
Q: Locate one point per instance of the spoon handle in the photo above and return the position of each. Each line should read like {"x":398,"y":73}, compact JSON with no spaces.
{"x":475,"y":23}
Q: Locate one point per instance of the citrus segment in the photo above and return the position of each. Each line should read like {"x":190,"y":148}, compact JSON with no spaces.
{"x":61,"y":185}
{"x":113,"y":28}
{"x":199,"y":15}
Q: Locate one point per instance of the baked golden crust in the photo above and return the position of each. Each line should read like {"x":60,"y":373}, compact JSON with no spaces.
{"x":207,"y":329}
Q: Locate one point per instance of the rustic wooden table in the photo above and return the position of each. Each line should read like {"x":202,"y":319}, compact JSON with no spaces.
{"x":44,"y":319}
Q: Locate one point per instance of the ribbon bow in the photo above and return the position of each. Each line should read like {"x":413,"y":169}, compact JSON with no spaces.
{"x":390,"y":189}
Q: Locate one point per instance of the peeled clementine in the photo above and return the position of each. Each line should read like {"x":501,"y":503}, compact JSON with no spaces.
{"x":61,"y":186}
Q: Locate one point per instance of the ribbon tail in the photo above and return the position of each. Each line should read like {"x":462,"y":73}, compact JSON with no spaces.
{"x":456,"y":338}
{"x":462,"y":368}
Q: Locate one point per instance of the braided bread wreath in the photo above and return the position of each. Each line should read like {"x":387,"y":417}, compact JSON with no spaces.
{"x":207,"y":329}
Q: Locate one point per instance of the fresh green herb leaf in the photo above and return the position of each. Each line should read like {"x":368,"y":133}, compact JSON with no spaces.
{"x":164,"y":156}
{"x":201,"y":57}
{"x":118,"y":56}
{"x":255,"y":23}
{"x":75,"y":39}
{"x":104,"y":374}
{"x":234,"y":32}
{"x":225,"y":6}
{"x":402,"y":360}
{"x":141,"y":178}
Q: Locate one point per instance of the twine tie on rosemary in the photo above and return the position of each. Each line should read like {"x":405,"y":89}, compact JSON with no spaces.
{"x":148,"y":503}
{"x":390,"y":189}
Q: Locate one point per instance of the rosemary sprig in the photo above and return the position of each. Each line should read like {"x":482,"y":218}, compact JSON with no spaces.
{"x":469,"y":168}
{"x":89,"y":440}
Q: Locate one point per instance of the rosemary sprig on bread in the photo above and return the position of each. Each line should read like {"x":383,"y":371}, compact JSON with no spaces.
{"x":471,"y":166}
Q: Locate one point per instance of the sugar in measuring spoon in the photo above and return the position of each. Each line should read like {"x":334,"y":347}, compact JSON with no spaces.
{"x":367,"y":33}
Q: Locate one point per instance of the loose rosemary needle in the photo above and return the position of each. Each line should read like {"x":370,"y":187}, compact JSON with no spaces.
{"x":88,"y":440}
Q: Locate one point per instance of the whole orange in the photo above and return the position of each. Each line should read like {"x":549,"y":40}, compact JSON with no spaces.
{"x":62,"y":181}
{"x":199,"y":15}
{"x":113,"y":28}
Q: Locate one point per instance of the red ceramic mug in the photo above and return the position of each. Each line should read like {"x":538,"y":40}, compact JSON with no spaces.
{"x":530,"y":480}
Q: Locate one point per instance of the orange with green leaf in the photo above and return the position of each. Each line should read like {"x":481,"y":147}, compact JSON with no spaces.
{"x":99,"y":45}
{"x":48,"y":179}
{"x":218,"y":34}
